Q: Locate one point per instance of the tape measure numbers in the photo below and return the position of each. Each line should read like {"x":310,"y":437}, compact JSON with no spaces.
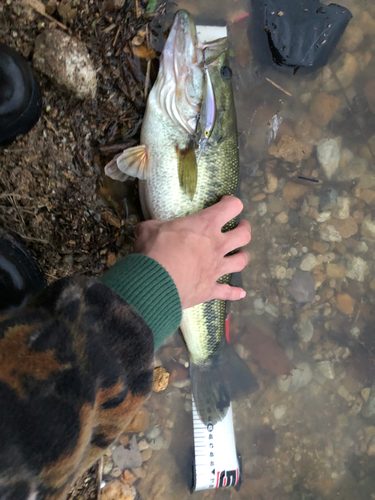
{"x":216,"y":462}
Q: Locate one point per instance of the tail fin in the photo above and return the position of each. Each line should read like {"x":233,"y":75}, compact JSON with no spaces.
{"x":213,"y":385}
{"x":210,"y":388}
{"x":242,"y":381}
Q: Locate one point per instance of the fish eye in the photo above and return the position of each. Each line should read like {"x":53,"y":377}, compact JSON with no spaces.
{"x":226,"y":73}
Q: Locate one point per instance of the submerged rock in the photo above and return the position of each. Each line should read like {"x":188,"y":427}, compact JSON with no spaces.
{"x":327,"y":369}
{"x":357,"y":269}
{"x":290,"y":149}
{"x":127,"y":458}
{"x":305,"y":330}
{"x":329,"y":233}
{"x":116,"y":490}
{"x":299,"y":377}
{"x":302,"y":287}
{"x":322,"y":108}
{"x":368,"y":409}
{"x":328,"y":152}
{"x":327,"y":198}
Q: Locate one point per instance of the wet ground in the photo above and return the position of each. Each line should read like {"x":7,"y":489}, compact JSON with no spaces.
{"x":306,"y":326}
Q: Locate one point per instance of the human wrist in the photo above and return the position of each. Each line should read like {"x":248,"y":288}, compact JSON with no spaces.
{"x":145,"y":285}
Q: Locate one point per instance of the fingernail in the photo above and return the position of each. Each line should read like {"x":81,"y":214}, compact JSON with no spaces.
{"x":248,"y":256}
{"x":242,"y":294}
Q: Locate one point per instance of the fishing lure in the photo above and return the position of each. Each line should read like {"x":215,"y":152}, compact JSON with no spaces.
{"x":208,"y":111}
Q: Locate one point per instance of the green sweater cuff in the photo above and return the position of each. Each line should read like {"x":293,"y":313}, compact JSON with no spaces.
{"x":145,"y":285}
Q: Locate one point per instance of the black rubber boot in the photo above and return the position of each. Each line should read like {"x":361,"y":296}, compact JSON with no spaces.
{"x":20,"y":96}
{"x":20,"y":275}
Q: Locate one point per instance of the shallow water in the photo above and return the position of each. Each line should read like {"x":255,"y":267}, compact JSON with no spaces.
{"x":310,"y":435}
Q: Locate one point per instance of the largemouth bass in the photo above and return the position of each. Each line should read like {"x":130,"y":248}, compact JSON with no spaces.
{"x":174,"y":183}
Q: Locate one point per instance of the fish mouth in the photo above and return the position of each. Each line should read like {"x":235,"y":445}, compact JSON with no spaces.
{"x":179,"y":52}
{"x":179,"y":86}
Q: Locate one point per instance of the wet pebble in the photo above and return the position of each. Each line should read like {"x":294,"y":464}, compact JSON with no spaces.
{"x":143,"y":445}
{"x":127,"y":457}
{"x":368,"y":409}
{"x":258,"y":306}
{"x":161,"y":379}
{"x":293,"y":191}
{"x":342,"y":208}
{"x":371,"y":447}
{"x":322,"y":108}
{"x":369,"y":91}
{"x":344,"y":303}
{"x":282,"y":218}
{"x":327,"y":198}
{"x":346,"y":228}
{"x":328,"y":153}
{"x":305,"y":330}
{"x":128,"y":478}
{"x":271,"y":183}
{"x":302,"y":287}
{"x":327,"y":369}
{"x":368,"y":227}
{"x":154,"y":433}
{"x":116,"y":490}
{"x":157,"y":443}
{"x":140,"y":421}
{"x":146,"y":454}
{"x":262,"y":209}
{"x":357,"y":269}
{"x":290,"y":149}
{"x":293,"y":219}
{"x":279,"y":411}
{"x":108,"y":465}
{"x":355,"y":169}
{"x":329,"y":233}
{"x":298,"y":378}
{"x":337,"y":271}
{"x":309,"y":262}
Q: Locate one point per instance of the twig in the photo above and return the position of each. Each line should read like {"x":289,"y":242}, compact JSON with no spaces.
{"x":39,"y":7}
{"x":278,"y":87}
{"x":50,"y":125}
{"x":147,"y":80}
{"x":39,"y":240}
{"x":116,"y":36}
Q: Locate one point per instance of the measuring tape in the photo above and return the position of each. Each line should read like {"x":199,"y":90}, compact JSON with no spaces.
{"x":216,"y":461}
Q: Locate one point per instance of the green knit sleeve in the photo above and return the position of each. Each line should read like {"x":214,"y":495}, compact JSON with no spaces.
{"x":146,"y":285}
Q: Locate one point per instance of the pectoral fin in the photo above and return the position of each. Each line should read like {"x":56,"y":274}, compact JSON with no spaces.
{"x":132,"y":162}
{"x":187,"y":170}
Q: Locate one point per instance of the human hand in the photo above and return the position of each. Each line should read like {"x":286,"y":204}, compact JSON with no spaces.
{"x":193,"y":250}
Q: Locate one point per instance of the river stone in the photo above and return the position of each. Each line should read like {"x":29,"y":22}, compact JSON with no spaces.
{"x":328,"y":153}
{"x":298,"y":378}
{"x":357,"y":269}
{"x":302,"y":287}
{"x":127,"y":458}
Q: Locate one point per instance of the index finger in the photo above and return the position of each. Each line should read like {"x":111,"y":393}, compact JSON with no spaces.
{"x":222,"y":212}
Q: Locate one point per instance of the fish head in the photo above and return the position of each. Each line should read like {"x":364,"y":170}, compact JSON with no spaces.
{"x":178,"y":88}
